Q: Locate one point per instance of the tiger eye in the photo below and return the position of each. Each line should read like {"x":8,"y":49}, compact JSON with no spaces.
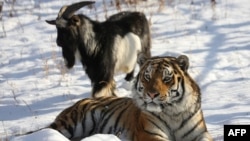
{"x":167,"y":79}
{"x":140,"y":89}
{"x":147,"y":76}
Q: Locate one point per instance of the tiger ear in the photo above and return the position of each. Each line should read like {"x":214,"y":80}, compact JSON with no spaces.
{"x":183,"y":62}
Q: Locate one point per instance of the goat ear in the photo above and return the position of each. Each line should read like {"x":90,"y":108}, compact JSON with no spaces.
{"x":183,"y":62}
{"x":52,"y":22}
{"x":75,"y":20}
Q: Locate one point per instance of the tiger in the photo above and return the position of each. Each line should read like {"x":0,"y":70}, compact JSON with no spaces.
{"x":165,"y":106}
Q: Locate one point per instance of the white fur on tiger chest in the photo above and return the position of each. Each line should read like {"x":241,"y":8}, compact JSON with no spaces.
{"x":125,"y":52}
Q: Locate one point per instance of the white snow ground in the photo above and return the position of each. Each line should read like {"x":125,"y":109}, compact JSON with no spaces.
{"x":35,"y":87}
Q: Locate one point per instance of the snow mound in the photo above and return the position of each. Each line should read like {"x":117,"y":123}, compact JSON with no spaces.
{"x":53,"y":135}
{"x":102,"y":137}
{"x":42,"y":135}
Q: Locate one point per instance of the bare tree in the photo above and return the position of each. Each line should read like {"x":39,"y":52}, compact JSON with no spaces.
{"x":1,"y":8}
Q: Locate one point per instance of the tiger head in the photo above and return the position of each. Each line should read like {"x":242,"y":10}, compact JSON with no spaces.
{"x":162,"y":82}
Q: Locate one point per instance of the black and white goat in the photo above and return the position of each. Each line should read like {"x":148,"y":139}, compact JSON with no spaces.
{"x":104,"y":48}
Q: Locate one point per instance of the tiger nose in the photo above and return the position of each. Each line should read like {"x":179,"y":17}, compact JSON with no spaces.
{"x":153,"y":95}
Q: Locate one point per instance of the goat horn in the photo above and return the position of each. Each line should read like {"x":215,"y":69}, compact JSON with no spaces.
{"x":67,"y":12}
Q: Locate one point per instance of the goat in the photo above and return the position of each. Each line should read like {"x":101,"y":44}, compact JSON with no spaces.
{"x":104,"y":48}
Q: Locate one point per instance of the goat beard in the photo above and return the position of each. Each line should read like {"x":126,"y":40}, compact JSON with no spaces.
{"x":69,"y":60}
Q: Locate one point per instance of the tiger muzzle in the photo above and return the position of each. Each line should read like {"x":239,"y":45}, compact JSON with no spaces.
{"x":153,"y":95}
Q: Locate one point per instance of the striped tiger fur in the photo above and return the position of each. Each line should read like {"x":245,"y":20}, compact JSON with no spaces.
{"x":166,"y":106}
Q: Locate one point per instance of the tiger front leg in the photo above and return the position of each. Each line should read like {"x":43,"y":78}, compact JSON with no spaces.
{"x":151,"y":137}
{"x":205,"y":137}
